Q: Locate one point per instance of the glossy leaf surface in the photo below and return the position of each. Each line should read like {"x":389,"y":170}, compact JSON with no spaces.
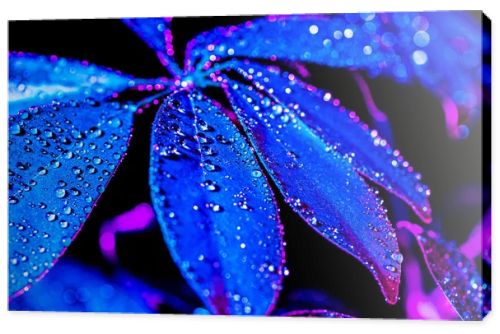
{"x":215,"y":207}
{"x":61,"y":156}
{"x":36,"y":79}
{"x":442,"y":50}
{"x":321,"y":186}
{"x":344,"y":132}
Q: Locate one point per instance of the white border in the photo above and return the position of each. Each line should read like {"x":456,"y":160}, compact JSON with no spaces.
{"x":83,"y":323}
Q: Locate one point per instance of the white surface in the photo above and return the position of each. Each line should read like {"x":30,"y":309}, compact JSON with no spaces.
{"x":146,"y":324}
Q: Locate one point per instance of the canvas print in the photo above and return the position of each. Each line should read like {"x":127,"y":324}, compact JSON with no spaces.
{"x":329,"y":165}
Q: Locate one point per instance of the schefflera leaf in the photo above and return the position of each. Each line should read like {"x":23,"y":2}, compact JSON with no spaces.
{"x":343,"y":131}
{"x":215,"y":207}
{"x":452,"y":271}
{"x":37,"y":79}
{"x":322,"y":187}
{"x":61,"y":157}
{"x":442,"y":50}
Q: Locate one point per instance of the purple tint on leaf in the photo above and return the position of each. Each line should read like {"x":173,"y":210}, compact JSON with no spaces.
{"x":61,"y":157}
{"x":156,"y":33}
{"x":215,"y":207}
{"x":137,"y":219}
{"x":453,"y":272}
{"x":441,"y":50}
{"x":36,"y":79}
{"x":322,"y":186}
{"x":343,"y":132}
{"x":316,"y":314}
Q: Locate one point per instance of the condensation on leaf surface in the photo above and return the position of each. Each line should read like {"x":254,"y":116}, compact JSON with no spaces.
{"x":442,"y":50}
{"x":316,"y":314}
{"x":322,"y":187}
{"x":74,"y":287}
{"x":37,"y":79}
{"x":453,"y":272}
{"x":343,"y":132}
{"x":215,"y":207}
{"x":61,"y":157}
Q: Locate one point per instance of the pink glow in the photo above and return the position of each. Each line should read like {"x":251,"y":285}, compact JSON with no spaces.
{"x":420,"y":305}
{"x":136,"y":219}
{"x":451,"y":117}
{"x":433,"y":305}
{"x":414,"y":228}
{"x":472,"y":246}
{"x":479,"y":240}
{"x":374,"y":111}
{"x":153,"y":300}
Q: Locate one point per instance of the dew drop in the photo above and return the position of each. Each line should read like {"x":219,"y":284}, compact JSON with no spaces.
{"x":61,"y":193}
{"x":115,"y":122}
{"x":221,"y":139}
{"x":209,"y":165}
{"x":22,"y":166}
{"x":215,"y":207}
{"x":76,"y":134}
{"x":391,"y":268}
{"x":91,"y":169}
{"x":210,"y":185}
{"x":77,"y":171}
{"x":398,"y":257}
{"x":95,"y":132}
{"x":42,"y":171}
{"x":256,"y":173}
{"x":55,"y":164}
{"x":51,"y":216}
{"x":75,"y":192}
{"x":16,"y":130}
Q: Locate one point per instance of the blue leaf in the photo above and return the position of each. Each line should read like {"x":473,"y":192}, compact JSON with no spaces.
{"x":74,"y":287}
{"x":442,"y":49}
{"x":343,"y":132}
{"x":155,"y":32}
{"x":321,"y":186}
{"x":61,"y":156}
{"x":453,"y":272}
{"x":215,"y":207}
{"x":35,"y":80}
